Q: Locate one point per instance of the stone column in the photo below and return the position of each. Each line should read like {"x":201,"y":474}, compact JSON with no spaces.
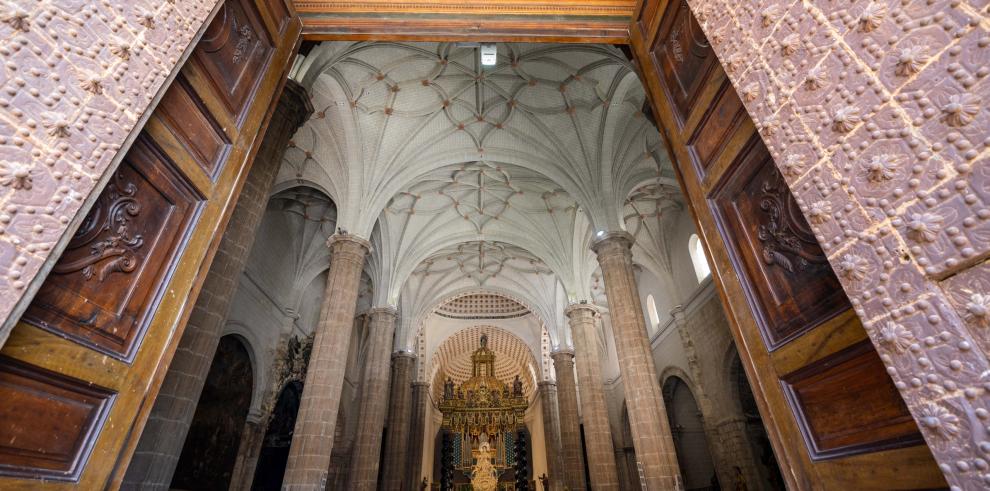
{"x":647,"y":415}
{"x":399,"y":415}
{"x":312,"y":441}
{"x":594,"y":412}
{"x":625,"y":481}
{"x":551,"y":433}
{"x":570,"y":424}
{"x":252,"y":438}
{"x":417,"y":430}
{"x":365,"y":461}
{"x":158,"y":449}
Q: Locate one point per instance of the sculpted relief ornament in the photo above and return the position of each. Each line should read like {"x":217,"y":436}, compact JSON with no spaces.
{"x":106,"y":231}
{"x":786,"y":240}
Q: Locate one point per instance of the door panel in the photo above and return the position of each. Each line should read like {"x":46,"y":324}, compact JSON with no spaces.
{"x":62,"y":413}
{"x":106,"y":285}
{"x":834,"y":416}
{"x":79,"y":373}
{"x":790,"y":283}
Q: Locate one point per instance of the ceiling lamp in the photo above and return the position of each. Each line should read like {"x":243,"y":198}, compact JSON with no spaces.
{"x":489,"y":54}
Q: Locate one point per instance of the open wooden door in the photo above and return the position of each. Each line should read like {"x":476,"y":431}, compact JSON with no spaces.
{"x":79,"y":374}
{"x":833,"y":414}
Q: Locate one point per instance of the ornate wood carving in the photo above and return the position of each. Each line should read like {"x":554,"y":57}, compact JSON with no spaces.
{"x":106,"y":283}
{"x":788,"y":276}
{"x":107,"y":234}
{"x":48,"y":421}
{"x":233,"y":52}
{"x":683,"y":57}
{"x":846,"y":404}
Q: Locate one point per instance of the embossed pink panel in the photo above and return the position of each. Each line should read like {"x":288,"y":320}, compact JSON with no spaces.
{"x":78,"y":77}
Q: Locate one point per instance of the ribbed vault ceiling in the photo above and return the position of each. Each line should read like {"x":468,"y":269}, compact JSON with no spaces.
{"x":468,"y":177}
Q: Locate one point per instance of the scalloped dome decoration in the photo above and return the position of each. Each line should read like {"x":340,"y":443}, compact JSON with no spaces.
{"x":482,"y":306}
{"x":453,"y":359}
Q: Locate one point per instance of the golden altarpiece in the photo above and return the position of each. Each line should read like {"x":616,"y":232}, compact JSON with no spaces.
{"x":483,"y":416}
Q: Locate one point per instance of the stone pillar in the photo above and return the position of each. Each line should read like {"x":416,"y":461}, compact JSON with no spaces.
{"x":594,"y":412}
{"x":312,"y":441}
{"x":400,"y":413}
{"x":570,"y":424}
{"x":252,"y":438}
{"x":365,"y":461}
{"x":551,"y":433}
{"x":621,"y":468}
{"x":647,"y":415}
{"x":417,"y":430}
{"x":158,"y":449}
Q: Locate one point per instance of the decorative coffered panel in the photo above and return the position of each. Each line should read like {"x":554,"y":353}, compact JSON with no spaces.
{"x":846,"y":405}
{"x":232,"y":53}
{"x":48,"y":422}
{"x":684,"y":56}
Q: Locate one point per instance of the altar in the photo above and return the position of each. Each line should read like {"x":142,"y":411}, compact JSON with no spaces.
{"x":484,"y":445}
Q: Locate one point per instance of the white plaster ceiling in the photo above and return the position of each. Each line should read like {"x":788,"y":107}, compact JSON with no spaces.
{"x":493,"y":179}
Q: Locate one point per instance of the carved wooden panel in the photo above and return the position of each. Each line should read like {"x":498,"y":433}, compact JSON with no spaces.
{"x":788,"y":278}
{"x":683,"y":57}
{"x":184,"y":114}
{"x":233,"y":52}
{"x":722,"y":118}
{"x":106,"y":284}
{"x":279,"y":12}
{"x":647,"y":13}
{"x":48,"y":422}
{"x":846,"y":403}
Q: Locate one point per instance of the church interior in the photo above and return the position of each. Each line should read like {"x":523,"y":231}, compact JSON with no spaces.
{"x":495,"y":245}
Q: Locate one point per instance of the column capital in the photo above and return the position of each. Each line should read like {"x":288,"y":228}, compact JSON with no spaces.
{"x":295,"y":102}
{"x":578,"y":308}
{"x":612,"y":241}
{"x":403,"y":354}
{"x":420,"y":383}
{"x":678,"y":313}
{"x":345,"y":238}
{"x":546,"y":383}
{"x":386,"y":310}
{"x":563,"y":353}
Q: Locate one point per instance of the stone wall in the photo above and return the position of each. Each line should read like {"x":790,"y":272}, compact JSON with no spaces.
{"x":705,"y":366}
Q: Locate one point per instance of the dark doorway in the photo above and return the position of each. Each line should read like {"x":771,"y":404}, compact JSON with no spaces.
{"x":208,"y":455}
{"x":275,"y":448}
{"x":690,"y":442}
{"x":756,"y":433}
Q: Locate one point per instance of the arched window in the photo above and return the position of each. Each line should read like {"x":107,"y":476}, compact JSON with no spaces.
{"x":701,"y":269}
{"x":651,"y":308}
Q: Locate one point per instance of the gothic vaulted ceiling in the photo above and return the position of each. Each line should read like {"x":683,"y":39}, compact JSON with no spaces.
{"x":470,"y":178}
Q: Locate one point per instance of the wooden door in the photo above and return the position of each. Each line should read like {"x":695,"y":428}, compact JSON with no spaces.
{"x":81,"y":370}
{"x":834,"y":416}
